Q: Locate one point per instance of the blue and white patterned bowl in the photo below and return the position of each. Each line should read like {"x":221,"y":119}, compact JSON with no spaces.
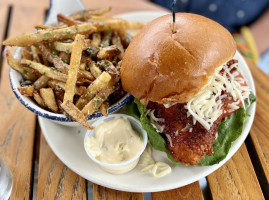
{"x":15,"y":78}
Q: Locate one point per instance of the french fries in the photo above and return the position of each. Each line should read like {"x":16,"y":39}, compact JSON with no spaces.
{"x":96,"y":71}
{"x":26,"y":72}
{"x":75,"y":114}
{"x":87,"y":13}
{"x":99,"y":83}
{"x":41,"y":82}
{"x":49,"y":99}
{"x":67,"y":47}
{"x":50,"y":35}
{"x":73,"y":68}
{"x":44,"y":70}
{"x":109,"y":51}
{"x":26,"y":90}
{"x":39,"y":100}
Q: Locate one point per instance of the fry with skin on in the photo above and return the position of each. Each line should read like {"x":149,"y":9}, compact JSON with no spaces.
{"x":41,"y":26}
{"x":96,"y":39}
{"x":104,"y":108}
{"x":50,"y":35}
{"x":98,"y":84}
{"x":35,"y":53}
{"x":59,"y":64}
{"x":94,"y":69}
{"x":41,"y":82}
{"x":54,"y":83}
{"x":117,"y":41}
{"x":82,"y":15}
{"x":39,"y":100}
{"x":49,"y":99}
{"x":25,"y":54}
{"x":44,"y":70}
{"x":66,"y":20}
{"x":26,"y":90}
{"x":74,"y":67}
{"x":97,"y":101}
{"x":67,"y":47}
{"x":16,"y":65}
{"x":108,"y":52}
{"x":75,"y":114}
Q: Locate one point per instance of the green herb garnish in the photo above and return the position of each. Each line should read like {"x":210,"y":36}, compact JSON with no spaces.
{"x":46,"y":34}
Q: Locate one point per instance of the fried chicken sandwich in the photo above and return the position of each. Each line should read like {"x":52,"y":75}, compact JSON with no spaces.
{"x":186,"y":83}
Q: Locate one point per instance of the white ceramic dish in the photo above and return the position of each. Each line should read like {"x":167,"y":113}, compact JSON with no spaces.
{"x":124,"y":167}
{"x":61,"y":138}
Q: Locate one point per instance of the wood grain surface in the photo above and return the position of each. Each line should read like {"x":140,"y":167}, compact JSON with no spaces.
{"x":191,"y":191}
{"x":55,"y":180}
{"x":260,"y":129}
{"x":3,"y":21}
{"x":236,"y":179}
{"x":17,"y":123}
{"x":103,"y":193}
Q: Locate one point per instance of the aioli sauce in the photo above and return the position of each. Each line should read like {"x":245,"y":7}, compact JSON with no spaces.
{"x":114,"y":141}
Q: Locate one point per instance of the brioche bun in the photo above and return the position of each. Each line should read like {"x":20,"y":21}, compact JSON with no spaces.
{"x":166,"y":67}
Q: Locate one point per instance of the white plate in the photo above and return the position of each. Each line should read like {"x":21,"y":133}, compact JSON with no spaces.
{"x":67,"y":144}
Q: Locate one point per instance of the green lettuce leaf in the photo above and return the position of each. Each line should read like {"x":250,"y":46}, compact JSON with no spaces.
{"x":137,"y":110}
{"x":228,"y":131}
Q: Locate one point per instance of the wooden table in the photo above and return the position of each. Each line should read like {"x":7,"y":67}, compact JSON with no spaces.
{"x":39,"y":174}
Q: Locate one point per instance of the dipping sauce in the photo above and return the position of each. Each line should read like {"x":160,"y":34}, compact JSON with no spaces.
{"x":114,"y":141}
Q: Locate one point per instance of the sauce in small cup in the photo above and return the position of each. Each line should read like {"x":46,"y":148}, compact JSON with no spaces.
{"x":116,"y":143}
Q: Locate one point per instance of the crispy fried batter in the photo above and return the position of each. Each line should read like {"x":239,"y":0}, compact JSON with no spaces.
{"x":187,"y":146}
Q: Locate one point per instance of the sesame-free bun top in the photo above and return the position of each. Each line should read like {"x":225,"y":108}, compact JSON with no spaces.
{"x":166,"y":67}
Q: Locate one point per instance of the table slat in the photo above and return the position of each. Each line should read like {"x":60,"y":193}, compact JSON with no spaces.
{"x":3,"y":20}
{"x":17,"y":123}
{"x":55,"y":180}
{"x":103,"y":193}
{"x":236,"y":179}
{"x":191,"y":191}
{"x":260,"y":129}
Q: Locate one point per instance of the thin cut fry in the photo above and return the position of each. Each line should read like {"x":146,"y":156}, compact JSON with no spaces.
{"x":67,"y":47}
{"x":41,"y":26}
{"x":87,"y":13}
{"x":97,"y":101}
{"x":35,"y":53}
{"x":26,"y":90}
{"x":98,"y":84}
{"x":54,"y":83}
{"x":108,"y":52}
{"x":44,"y":70}
{"x":66,"y":20}
{"x":49,"y":98}
{"x":51,"y":35}
{"x":75,"y":114}
{"x":116,"y":41}
{"x":59,"y":64}
{"x":74,"y":67}
{"x":104,"y":108}
{"x":96,"y":39}
{"x":41,"y":82}
{"x":39,"y":100}
{"x":15,"y":64}
{"x":95,"y":70}
{"x":26,"y":54}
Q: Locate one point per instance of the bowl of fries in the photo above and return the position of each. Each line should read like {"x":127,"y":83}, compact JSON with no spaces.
{"x":70,"y":72}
